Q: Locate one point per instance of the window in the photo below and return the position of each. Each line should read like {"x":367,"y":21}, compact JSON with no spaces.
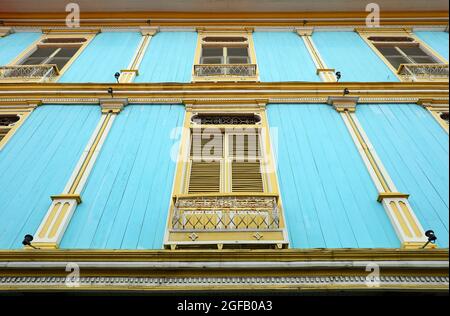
{"x":225,"y":55}
{"x":402,"y":50}
{"x":441,"y":115}
{"x":221,"y":57}
{"x":57,"y":51}
{"x":225,"y":159}
{"x":411,"y":60}
{"x":7,"y":123}
{"x":45,"y":61}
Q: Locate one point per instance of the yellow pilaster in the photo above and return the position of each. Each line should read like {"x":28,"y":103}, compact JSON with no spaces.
{"x":406,"y":224}
{"x":128,"y":75}
{"x":57,"y":219}
{"x":325,"y":73}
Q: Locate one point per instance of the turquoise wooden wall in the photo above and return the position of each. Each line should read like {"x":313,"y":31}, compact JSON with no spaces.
{"x":14,"y":44}
{"x":36,"y":163}
{"x":438,"y":41}
{"x":329,"y":199}
{"x":414,"y":150}
{"x":348,"y":53}
{"x":283,"y":56}
{"x":169,"y":58}
{"x":107,"y":54}
{"x":126,"y":199}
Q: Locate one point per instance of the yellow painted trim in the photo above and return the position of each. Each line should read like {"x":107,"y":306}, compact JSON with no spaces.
{"x":368,"y":153}
{"x":391,"y":195}
{"x":91,"y":152}
{"x":75,"y":197}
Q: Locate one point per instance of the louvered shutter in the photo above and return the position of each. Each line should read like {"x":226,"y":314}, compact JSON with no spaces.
{"x":246,"y":177}
{"x":204,"y":177}
{"x":244,"y":150}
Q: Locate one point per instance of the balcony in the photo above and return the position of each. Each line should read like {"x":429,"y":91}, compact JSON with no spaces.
{"x":29,"y":73}
{"x":230,"y":220}
{"x":225,"y":71}
{"x":424,"y":72}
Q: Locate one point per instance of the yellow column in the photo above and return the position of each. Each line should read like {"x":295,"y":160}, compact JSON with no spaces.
{"x":325,"y":73}
{"x":57,"y":219}
{"x":406,"y":224}
{"x":128,"y":75}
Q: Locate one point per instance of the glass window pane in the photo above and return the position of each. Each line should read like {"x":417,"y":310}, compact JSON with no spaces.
{"x":39,"y":56}
{"x":238,"y":60}
{"x":211,"y":60}
{"x":388,"y":51}
{"x":212,"y":51}
{"x":413,"y":51}
{"x":237,"y":51}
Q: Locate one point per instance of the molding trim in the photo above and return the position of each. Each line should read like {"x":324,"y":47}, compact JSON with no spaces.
{"x":113,"y":105}
{"x":247,"y":283}
{"x":341,"y":104}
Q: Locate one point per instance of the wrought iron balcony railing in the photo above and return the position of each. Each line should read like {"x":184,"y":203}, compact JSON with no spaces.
{"x":227,"y":70}
{"x":418,"y":72}
{"x":226,"y":213}
{"x":39,"y":73}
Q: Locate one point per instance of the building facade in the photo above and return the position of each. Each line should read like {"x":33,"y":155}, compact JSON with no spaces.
{"x":161,"y":151}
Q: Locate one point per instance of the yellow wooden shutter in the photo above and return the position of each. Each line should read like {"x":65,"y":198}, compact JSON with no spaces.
{"x":207,"y":144}
{"x":204,"y":177}
{"x":246,"y":177}
{"x":244,"y":146}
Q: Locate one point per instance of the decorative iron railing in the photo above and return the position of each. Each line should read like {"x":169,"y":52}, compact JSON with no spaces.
{"x":416,"y":72}
{"x":225,"y":213}
{"x":40,"y":73}
{"x":238,"y":70}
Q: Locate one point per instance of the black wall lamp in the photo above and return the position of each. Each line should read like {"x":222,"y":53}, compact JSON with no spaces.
{"x":117,"y":76}
{"x":27,"y":241}
{"x":338,"y":76}
{"x":431,"y":238}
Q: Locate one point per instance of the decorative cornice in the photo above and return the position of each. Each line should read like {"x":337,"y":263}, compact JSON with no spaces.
{"x":149,"y":30}
{"x":113,"y":105}
{"x":341,"y":104}
{"x":71,"y":30}
{"x":249,"y":282}
{"x":304,"y":31}
{"x":287,"y":255}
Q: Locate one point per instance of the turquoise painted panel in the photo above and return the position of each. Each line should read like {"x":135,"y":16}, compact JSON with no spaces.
{"x":126,"y":199}
{"x":283,"y":56}
{"x":169,"y":58}
{"x":14,"y":44}
{"x":414,"y":150}
{"x":348,"y":53}
{"x":36,"y":163}
{"x":437,"y":41}
{"x":107,"y":54}
{"x":329,"y":199}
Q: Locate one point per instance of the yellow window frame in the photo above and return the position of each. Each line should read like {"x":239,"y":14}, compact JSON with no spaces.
{"x":246,"y":33}
{"x":51,"y":34}
{"x":366,"y":33}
